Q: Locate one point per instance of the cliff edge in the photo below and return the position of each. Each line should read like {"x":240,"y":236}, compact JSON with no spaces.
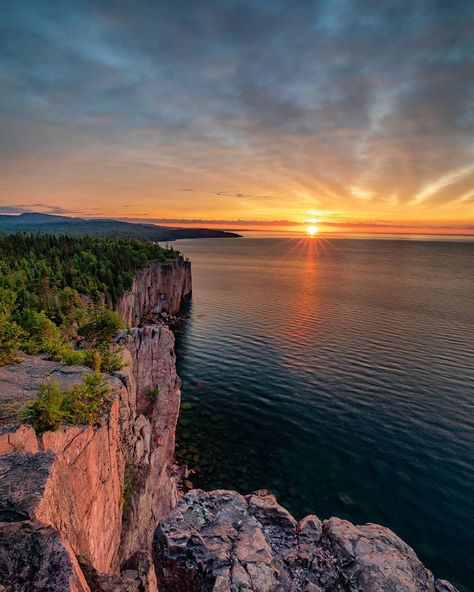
{"x":158,"y":288}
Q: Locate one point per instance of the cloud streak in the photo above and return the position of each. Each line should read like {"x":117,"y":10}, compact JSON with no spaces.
{"x":35,"y":207}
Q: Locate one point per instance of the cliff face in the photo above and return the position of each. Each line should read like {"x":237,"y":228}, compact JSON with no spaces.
{"x":91,"y":496}
{"x":160,"y":287}
{"x":151,"y":440}
{"x":72,"y":483}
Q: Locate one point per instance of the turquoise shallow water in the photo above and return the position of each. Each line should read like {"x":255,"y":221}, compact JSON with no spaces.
{"x":340,"y":375}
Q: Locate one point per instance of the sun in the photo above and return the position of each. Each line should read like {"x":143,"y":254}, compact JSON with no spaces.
{"x":312,"y":230}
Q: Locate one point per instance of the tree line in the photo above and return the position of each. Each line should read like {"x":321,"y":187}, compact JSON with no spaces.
{"x":56,"y":289}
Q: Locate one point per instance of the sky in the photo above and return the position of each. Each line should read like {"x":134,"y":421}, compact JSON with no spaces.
{"x":350,"y":114}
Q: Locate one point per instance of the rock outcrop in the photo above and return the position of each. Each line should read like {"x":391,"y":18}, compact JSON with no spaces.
{"x":35,"y":557}
{"x":151,"y":437}
{"x":86,"y":499}
{"x":158,"y":288}
{"x":221,"y":541}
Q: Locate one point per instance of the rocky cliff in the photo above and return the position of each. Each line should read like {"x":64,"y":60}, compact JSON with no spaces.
{"x":82,"y":502}
{"x":160,"y":287}
{"x":221,"y":541}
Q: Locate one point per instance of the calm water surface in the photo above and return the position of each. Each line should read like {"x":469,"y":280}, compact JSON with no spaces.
{"x":340,"y":375}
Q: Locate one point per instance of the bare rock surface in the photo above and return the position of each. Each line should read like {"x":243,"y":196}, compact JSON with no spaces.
{"x":151,"y":441}
{"x":23,"y":478}
{"x":222,"y":541}
{"x":35,"y":558}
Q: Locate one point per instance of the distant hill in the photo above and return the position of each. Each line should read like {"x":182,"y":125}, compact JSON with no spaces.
{"x":35,"y":222}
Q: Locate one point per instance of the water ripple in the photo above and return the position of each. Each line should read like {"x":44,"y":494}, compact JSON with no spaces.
{"x":342,"y":380}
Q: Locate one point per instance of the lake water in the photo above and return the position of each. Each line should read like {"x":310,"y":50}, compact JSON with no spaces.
{"x":340,"y":375}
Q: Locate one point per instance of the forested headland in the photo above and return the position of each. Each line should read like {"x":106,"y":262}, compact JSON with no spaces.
{"x":56,"y":299}
{"x":55,"y":290}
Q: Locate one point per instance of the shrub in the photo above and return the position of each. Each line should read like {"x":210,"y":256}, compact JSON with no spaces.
{"x":84,"y":403}
{"x":103,"y":328}
{"x":41,"y":334}
{"x":46,"y":413}
{"x":112,"y":361}
{"x":7,"y":300}
{"x":10,"y":339}
{"x":71,"y":356}
{"x":103,"y":357}
{"x":129,"y":478}
{"x":152,"y":395}
{"x":54,"y":406}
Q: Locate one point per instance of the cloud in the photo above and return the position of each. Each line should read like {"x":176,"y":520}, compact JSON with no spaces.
{"x":35,"y":207}
{"x":444,"y":181}
{"x":340,"y":105}
{"x":227,"y":194}
{"x":214,"y":222}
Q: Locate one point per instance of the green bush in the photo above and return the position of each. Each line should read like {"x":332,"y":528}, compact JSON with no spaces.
{"x":104,"y":358}
{"x":82,"y":404}
{"x":112,"y":361}
{"x":47,"y":413}
{"x":152,"y":395}
{"x":103,"y":328}
{"x":40,"y":333}
{"x":10,"y":339}
{"x":42,"y":336}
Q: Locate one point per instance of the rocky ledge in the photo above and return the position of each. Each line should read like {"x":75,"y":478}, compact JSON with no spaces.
{"x":79,"y":505}
{"x":222,"y":541}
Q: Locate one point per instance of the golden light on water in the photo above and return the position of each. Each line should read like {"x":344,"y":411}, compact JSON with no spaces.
{"x":312,"y":230}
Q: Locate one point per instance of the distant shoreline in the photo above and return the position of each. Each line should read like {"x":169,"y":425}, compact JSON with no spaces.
{"x":38,"y":223}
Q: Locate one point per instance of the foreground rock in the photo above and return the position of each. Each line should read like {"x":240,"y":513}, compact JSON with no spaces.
{"x":221,"y":541}
{"x":34,"y":557}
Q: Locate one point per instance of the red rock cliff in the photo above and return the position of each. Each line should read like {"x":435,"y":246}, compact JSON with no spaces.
{"x":95,"y":494}
{"x":160,"y":287}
